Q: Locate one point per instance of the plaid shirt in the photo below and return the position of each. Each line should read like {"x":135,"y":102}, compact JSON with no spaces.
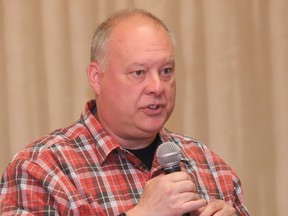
{"x":81,"y":170}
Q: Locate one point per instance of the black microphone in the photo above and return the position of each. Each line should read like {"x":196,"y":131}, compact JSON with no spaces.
{"x":169,"y":155}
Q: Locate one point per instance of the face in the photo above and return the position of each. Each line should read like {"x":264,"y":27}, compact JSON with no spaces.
{"x":135,"y":93}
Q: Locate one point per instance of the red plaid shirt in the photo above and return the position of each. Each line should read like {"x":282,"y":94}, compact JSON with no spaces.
{"x":81,"y":170}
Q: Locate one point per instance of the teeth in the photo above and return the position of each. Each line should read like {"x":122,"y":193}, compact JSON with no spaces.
{"x":153,"y":107}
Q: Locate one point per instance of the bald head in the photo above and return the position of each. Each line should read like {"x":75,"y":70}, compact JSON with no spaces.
{"x":103,"y":31}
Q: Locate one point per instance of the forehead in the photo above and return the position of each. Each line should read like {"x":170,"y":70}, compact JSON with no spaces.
{"x":139,"y":33}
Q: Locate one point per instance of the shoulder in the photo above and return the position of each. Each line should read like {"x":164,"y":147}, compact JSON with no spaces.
{"x":54,"y":144}
{"x":196,"y":151}
{"x":185,"y":142}
{"x":215,"y":177}
{"x":61,"y":152}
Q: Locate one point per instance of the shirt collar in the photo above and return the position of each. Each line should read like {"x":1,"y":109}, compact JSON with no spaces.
{"x":105,"y":143}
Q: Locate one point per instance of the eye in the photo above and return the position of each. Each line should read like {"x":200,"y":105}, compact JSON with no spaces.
{"x":166,"y":73}
{"x":138,"y":73}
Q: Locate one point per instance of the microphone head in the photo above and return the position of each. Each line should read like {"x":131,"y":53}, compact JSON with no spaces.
{"x":168,"y":154}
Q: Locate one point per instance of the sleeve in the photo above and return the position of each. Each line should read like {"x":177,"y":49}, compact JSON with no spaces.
{"x":228,"y":182}
{"x":30,"y":188}
{"x":239,"y":202}
{"x":23,"y":194}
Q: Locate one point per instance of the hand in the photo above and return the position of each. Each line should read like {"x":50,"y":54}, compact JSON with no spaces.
{"x":218,"y":208}
{"x":168,"y":195}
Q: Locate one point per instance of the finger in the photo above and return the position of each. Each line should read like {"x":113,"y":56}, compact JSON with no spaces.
{"x":217,"y":208}
{"x":227,"y":211}
{"x":178,"y":176}
{"x":184,"y":181}
{"x":190,"y":196}
{"x":193,"y":206}
{"x":181,"y":180}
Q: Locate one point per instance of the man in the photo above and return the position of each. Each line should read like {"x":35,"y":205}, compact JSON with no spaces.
{"x":105,"y":163}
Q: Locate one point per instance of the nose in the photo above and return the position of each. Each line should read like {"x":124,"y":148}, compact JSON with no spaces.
{"x":154,"y":84}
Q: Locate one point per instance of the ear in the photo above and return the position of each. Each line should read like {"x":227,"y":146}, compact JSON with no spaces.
{"x":93,"y":74}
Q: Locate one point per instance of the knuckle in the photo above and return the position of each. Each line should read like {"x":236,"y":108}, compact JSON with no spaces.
{"x":213,"y":206}
{"x":194,"y":196}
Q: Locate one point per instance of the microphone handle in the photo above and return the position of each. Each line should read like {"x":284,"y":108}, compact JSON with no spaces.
{"x":171,"y":169}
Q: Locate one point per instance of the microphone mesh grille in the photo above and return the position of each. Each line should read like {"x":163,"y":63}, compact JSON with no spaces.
{"x":168,"y":154}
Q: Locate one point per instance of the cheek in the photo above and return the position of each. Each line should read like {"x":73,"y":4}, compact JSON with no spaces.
{"x":109,"y":85}
{"x":118,"y":93}
{"x":171,"y":92}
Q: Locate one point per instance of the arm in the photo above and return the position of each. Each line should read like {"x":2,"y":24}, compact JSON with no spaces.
{"x":28,"y":188}
{"x":22,"y":193}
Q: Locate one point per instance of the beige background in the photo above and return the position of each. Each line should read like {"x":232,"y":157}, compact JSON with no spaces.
{"x":232,"y":73}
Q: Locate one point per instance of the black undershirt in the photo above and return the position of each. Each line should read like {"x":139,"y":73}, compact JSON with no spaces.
{"x":146,"y":154}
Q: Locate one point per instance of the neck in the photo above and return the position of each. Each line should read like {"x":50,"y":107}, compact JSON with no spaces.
{"x":134,"y":144}
{"x":128,"y":142}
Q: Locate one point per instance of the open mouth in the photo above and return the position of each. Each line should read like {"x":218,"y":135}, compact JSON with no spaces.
{"x":153,"y":107}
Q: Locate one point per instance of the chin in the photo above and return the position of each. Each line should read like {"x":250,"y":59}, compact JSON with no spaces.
{"x":153,"y":127}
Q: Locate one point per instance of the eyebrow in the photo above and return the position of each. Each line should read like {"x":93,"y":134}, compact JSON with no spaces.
{"x":171,"y":61}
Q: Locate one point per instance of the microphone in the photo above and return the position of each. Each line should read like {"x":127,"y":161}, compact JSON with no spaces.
{"x":169,"y":155}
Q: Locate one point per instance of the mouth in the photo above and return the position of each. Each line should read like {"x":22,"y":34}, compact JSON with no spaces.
{"x":153,"y":107}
